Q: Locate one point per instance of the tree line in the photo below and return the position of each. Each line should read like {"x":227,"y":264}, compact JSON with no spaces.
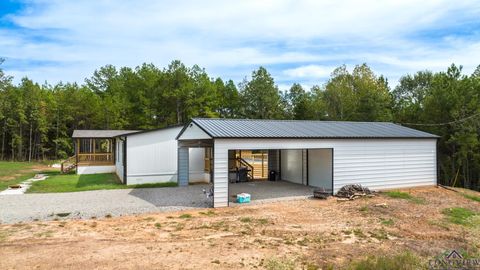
{"x":37,"y":120}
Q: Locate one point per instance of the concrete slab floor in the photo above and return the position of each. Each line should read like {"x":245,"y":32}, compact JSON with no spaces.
{"x":267,"y":190}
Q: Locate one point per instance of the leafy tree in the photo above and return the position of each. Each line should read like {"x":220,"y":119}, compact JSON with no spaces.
{"x":359,"y":96}
{"x":300,"y":103}
{"x":409,"y":96}
{"x":260,"y":97}
{"x":228,"y":99}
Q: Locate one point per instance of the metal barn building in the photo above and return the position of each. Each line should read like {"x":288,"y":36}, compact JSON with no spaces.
{"x":224,"y":152}
{"x":323,"y":154}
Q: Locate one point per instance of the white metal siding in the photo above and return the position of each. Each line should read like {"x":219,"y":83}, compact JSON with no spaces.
{"x":152,"y":158}
{"x":375,"y":163}
{"x":220,"y":174}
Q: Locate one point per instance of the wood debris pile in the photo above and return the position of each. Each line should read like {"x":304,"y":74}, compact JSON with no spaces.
{"x":351,"y":192}
{"x":321,"y":193}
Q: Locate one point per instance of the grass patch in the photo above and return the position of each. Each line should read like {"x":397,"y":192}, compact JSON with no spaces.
{"x":404,"y":196}
{"x":279,"y":264}
{"x":364,"y":209}
{"x":302,"y":242}
{"x":185,"y":216}
{"x":4,"y":235}
{"x":403,"y":261}
{"x":379,"y":234}
{"x":245,"y":219}
{"x":461,"y":216}
{"x":158,"y":225}
{"x":71,"y":182}
{"x":387,"y":222}
{"x":12,"y":173}
{"x":399,"y":195}
{"x":471,"y":197}
{"x":209,"y":213}
{"x":45,"y":234}
{"x":359,"y":233}
{"x":262,"y":221}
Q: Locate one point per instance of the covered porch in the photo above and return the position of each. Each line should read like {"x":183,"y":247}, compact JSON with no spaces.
{"x":95,"y":151}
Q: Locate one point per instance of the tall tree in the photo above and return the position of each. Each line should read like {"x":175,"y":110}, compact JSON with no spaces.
{"x":301,"y":103}
{"x":228,"y":99}
{"x":260,"y":97}
{"x":358,"y":96}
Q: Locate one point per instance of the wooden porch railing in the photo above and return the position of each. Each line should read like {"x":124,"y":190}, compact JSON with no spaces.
{"x":95,"y":158}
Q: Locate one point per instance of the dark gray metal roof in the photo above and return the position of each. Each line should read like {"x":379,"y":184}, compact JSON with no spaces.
{"x":95,"y":133}
{"x":252,"y":128}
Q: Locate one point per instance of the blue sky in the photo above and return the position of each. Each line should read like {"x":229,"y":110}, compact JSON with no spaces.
{"x":297,"y":41}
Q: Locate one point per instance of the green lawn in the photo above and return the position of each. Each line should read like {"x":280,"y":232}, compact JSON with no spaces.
{"x":405,"y":196}
{"x":15,"y":172}
{"x":57,"y":182}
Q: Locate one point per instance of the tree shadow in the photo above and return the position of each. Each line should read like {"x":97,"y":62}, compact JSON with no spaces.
{"x":91,"y":180}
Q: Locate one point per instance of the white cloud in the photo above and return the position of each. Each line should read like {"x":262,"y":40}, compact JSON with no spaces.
{"x":309,"y":71}
{"x":296,"y":40}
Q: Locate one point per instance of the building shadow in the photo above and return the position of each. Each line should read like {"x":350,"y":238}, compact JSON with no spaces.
{"x":174,"y":197}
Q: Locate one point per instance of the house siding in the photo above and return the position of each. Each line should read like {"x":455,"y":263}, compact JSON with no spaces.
{"x":152,"y":158}
{"x":374,"y":163}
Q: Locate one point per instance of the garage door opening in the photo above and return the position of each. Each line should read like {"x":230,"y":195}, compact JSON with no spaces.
{"x":279,"y":173}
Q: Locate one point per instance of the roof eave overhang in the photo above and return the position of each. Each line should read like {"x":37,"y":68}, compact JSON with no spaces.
{"x":199,"y":126}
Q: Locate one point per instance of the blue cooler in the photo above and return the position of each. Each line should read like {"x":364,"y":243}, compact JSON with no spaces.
{"x":243,"y":198}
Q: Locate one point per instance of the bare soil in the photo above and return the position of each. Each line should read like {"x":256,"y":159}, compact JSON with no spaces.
{"x":309,"y":233}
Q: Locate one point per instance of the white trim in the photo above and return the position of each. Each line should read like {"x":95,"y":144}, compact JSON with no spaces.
{"x":194,"y":132}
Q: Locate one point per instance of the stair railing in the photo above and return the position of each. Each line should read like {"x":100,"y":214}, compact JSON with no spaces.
{"x":241,"y":161}
{"x":68,"y":164}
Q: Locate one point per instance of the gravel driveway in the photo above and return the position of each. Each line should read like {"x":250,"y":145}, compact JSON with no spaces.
{"x":100,"y":203}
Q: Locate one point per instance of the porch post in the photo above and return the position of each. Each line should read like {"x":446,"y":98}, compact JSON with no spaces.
{"x":183,"y":166}
{"x":77,"y":150}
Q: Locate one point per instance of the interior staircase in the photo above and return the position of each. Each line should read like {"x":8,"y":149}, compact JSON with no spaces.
{"x":241,"y":163}
{"x":256,"y":170}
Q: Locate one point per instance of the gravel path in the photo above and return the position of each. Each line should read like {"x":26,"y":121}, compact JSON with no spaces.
{"x":100,"y":203}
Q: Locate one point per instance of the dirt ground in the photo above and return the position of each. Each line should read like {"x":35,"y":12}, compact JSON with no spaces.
{"x":311,"y":234}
